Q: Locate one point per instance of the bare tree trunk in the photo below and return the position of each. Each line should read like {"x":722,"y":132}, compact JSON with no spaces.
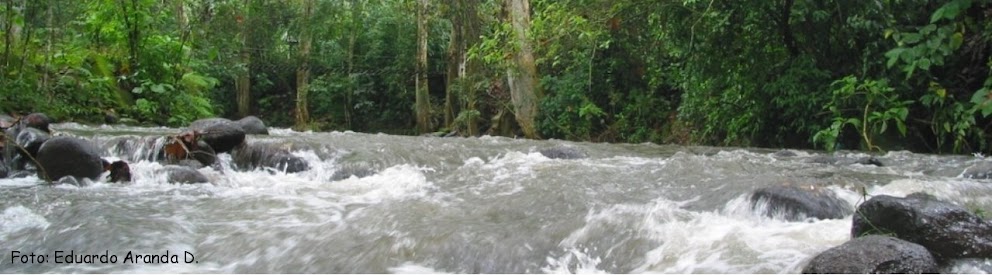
{"x":356,"y":27}
{"x":524,"y":90}
{"x":8,"y":35}
{"x":471,"y":32}
{"x":423,"y":104}
{"x":455,"y":46}
{"x":243,"y":82}
{"x":303,"y":71}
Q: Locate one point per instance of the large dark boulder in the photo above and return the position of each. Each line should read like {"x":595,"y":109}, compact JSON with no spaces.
{"x":873,"y":254}
{"x":184,"y":175}
{"x":794,"y":203}
{"x":252,"y":125}
{"x":68,"y":156}
{"x":222,"y":135}
{"x":563,"y":152}
{"x":947,"y":230}
{"x":251,"y":156}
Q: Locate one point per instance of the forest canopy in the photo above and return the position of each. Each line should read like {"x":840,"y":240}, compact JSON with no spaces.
{"x":834,"y":74}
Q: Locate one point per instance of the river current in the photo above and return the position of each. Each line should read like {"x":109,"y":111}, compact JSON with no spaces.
{"x":457,"y":205}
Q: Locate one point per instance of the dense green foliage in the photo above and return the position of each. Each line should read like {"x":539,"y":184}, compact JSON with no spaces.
{"x":833,"y":74}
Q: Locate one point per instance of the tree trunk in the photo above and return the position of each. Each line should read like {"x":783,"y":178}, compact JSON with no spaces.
{"x":455,"y":46}
{"x":469,"y":68}
{"x":243,"y":82}
{"x":423,"y":104}
{"x":303,"y":71}
{"x":524,"y":90}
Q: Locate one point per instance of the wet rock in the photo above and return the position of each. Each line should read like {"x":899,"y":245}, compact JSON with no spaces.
{"x":795,"y":203}
{"x":872,"y":255}
{"x":982,"y":170}
{"x":6,"y":121}
{"x":38,"y":121}
{"x":184,"y":175}
{"x":31,"y":139}
{"x":252,"y":125}
{"x":348,"y":171}
{"x":204,"y":153}
{"x":847,"y":161}
{"x":120,"y":171}
{"x":869,"y":161}
{"x":785,"y":154}
{"x":563,"y":152}
{"x":68,"y":156}
{"x":222,"y":135}
{"x":947,"y":230}
{"x":207,"y":122}
{"x":251,"y":156}
{"x":3,"y":168}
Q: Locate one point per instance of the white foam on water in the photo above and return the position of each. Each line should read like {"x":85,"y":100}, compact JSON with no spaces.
{"x":17,"y":218}
{"x":579,"y":260}
{"x":708,"y":242}
{"x":414,"y":268}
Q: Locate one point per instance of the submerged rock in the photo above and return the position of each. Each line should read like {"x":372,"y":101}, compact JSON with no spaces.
{"x":68,"y":156}
{"x":251,"y":156}
{"x":794,"y":203}
{"x":982,"y":170}
{"x":347,"y":171}
{"x":947,"y":230}
{"x":873,"y":254}
{"x":184,"y":175}
{"x":563,"y":152}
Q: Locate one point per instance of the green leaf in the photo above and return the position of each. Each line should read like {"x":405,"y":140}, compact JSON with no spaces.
{"x":893,"y":56}
{"x":924,"y":63}
{"x":158,"y":88}
{"x":956,"y":40}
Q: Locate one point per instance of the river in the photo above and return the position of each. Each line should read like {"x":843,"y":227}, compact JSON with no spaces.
{"x":457,"y":205}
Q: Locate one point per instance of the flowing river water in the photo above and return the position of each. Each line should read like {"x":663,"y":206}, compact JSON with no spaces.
{"x":458,"y":205}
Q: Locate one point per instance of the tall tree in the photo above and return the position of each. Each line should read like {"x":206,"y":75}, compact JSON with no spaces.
{"x":525,"y":92}
{"x":242,"y":84}
{"x":303,"y":69}
{"x":423,"y":104}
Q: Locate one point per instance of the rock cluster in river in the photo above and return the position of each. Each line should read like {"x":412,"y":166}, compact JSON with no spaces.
{"x":29,"y":148}
{"x":945,"y":230}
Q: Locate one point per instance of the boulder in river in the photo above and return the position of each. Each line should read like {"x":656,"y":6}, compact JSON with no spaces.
{"x":251,"y":156}
{"x":184,"y":175}
{"x":69,"y":156}
{"x":252,"y":125}
{"x":873,"y":254}
{"x":221,"y":134}
{"x":796,"y":203}
{"x":563,"y":152}
{"x":949,"y":231}
{"x":38,"y":121}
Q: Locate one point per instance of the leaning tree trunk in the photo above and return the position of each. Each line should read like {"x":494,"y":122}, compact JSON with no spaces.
{"x":242,"y":84}
{"x":524,"y":90}
{"x":423,"y":104}
{"x":303,"y":71}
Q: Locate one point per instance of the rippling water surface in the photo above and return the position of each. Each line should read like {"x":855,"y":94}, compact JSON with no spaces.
{"x":458,"y":205}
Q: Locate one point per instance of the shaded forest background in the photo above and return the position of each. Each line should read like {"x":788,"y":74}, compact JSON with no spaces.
{"x":833,"y":74}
